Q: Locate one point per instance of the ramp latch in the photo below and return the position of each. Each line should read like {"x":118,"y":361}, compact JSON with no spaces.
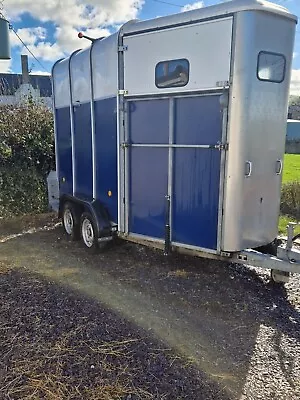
{"x":221,"y":146}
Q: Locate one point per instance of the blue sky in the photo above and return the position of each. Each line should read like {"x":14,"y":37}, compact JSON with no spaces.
{"x":49,"y":27}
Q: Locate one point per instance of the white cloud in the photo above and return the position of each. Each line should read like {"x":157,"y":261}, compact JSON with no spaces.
{"x":193,"y":6}
{"x":5,"y":66}
{"x":295,"y":82}
{"x":30,"y":36}
{"x":68,"y":40}
{"x":68,"y":16}
{"x":93,"y":12}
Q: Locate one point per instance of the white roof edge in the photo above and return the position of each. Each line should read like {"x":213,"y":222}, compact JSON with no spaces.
{"x":229,"y":7}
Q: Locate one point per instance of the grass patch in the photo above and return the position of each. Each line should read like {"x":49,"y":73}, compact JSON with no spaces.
{"x":291,"y":175}
{"x":291,"y":170}
{"x":283,"y":221}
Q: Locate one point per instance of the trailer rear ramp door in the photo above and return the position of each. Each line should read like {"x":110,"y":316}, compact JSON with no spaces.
{"x":174,"y":129}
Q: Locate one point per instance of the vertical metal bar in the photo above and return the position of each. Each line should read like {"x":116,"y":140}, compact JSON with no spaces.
{"x":222,"y":176}
{"x":121,"y":136}
{"x":93,"y":125}
{"x":170,"y":162}
{"x":168,"y":221}
{"x":127,"y":155}
{"x":57,"y":166}
{"x":72,"y":125}
{"x":225,"y":138}
{"x":167,"y":227}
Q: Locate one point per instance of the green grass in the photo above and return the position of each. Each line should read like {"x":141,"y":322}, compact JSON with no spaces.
{"x":283,"y":221}
{"x":291,"y":170}
{"x":291,"y":173}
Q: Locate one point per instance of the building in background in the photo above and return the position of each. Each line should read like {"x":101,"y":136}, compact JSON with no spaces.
{"x":293,"y":137}
{"x":294,"y":112}
{"x":18,"y":88}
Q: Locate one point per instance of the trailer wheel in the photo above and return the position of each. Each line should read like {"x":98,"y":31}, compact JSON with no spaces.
{"x":70,"y":220}
{"x":279,"y":277}
{"x":88,"y":232}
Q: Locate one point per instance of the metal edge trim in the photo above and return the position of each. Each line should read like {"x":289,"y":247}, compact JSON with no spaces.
{"x":54,"y":120}
{"x":72,"y":123}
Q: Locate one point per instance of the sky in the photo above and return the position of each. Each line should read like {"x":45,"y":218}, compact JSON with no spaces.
{"x":49,"y":27}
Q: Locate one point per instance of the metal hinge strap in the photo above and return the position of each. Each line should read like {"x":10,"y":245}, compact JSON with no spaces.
{"x":122,"y":92}
{"x":122,"y":48}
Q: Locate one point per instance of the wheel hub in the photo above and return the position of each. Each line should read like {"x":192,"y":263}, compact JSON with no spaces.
{"x":87,"y":233}
{"x":68,"y":222}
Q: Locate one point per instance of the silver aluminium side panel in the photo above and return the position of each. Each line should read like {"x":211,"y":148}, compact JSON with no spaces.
{"x":206,"y":45}
{"x":256,"y":132}
{"x":224,"y":8}
{"x":105,"y":67}
{"x":61,"y":84}
{"x":81,"y":77}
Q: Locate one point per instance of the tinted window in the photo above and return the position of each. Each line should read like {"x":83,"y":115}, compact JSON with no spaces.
{"x":173,"y":73}
{"x":271,"y":67}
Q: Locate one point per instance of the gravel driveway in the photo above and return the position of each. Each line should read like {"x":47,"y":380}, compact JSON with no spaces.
{"x":223,"y":332}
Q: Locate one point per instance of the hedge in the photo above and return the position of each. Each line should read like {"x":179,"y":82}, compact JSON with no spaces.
{"x":26,"y":157}
{"x":290,"y":199}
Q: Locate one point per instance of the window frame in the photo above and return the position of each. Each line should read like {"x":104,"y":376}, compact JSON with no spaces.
{"x":168,"y":61}
{"x":273,"y":54}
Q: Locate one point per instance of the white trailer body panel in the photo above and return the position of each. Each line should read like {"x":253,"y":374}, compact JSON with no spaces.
{"x":206,"y":45}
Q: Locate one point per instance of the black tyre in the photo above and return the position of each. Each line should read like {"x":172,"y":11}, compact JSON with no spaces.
{"x":279,"y":278}
{"x":88,"y":232}
{"x":70,"y":221}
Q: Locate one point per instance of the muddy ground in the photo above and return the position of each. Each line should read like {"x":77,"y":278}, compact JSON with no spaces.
{"x":130,"y":323}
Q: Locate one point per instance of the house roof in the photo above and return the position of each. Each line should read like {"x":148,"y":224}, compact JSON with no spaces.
{"x":10,"y":83}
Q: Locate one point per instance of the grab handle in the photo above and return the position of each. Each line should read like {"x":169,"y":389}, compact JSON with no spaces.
{"x":279,"y":167}
{"x":248,"y":169}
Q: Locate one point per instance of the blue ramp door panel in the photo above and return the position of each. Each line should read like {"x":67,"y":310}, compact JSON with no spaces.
{"x":106,"y":155}
{"x":195,"y":177}
{"x":83,"y":151}
{"x":64,"y":150}
{"x":148,"y":176}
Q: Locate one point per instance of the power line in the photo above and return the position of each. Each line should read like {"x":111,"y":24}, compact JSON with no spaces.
{"x":169,"y":4}
{"x":25,"y":45}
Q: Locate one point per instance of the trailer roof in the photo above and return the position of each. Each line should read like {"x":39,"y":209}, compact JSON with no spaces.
{"x":225,"y":8}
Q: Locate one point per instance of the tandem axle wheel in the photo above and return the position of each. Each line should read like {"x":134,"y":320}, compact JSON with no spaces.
{"x":279,"y":277}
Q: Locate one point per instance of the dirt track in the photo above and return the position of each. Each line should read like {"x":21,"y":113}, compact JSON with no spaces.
{"x":239,"y":335}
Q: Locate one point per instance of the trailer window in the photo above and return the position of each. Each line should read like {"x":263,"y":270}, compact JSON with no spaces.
{"x":271,"y":67}
{"x":172,"y":73}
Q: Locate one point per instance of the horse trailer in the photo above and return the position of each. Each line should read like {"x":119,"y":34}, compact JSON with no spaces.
{"x":171,"y":132}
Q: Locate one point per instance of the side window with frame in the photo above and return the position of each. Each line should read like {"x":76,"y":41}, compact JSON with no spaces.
{"x":271,"y":67}
{"x":172,"y":73}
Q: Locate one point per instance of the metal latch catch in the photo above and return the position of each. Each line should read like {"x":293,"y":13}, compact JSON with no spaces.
{"x":221,"y":146}
{"x":122,"y":48}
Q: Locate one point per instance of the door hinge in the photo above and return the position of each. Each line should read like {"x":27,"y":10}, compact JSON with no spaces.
{"x":221,"y":146}
{"x":122,"y":92}
{"x":122,"y":48}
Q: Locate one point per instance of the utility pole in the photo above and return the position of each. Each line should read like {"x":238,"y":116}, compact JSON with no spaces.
{"x":4,"y":36}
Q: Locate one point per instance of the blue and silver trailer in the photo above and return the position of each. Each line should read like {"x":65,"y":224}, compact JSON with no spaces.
{"x":171,"y":132}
